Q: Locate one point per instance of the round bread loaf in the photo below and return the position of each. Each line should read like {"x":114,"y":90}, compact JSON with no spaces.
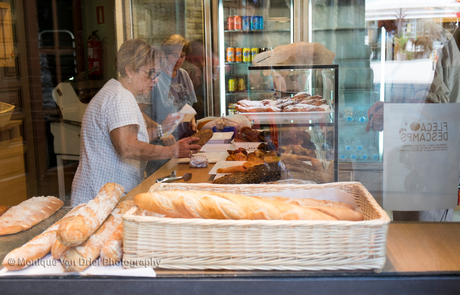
{"x":204,"y":135}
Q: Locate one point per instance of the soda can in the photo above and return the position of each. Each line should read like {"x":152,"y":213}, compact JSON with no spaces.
{"x":246,"y":54}
{"x":261,"y":22}
{"x":237,"y":22}
{"x":231,"y":23}
{"x":246,"y":23}
{"x":230,"y":54}
{"x":238,"y":54}
{"x":241,"y":83}
{"x":254,"y":52}
{"x":254,"y":23}
{"x":231,"y":84}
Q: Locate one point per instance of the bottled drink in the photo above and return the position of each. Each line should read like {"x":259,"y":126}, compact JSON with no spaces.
{"x":373,"y":153}
{"x":345,"y":143}
{"x":231,"y":23}
{"x":246,"y":22}
{"x":246,"y":54}
{"x":254,"y":23}
{"x":238,"y":54}
{"x":261,"y":22}
{"x":348,"y":116}
{"x":356,"y":143}
{"x":232,"y":84}
{"x":353,"y":155}
{"x":360,"y":117}
{"x":230,"y":54}
{"x":363,"y":155}
{"x":343,"y":154}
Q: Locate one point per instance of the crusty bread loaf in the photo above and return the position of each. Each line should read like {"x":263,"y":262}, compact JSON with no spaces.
{"x":339,"y":210}
{"x":217,"y":205}
{"x":112,"y":250}
{"x":3,"y":209}
{"x":58,"y":249}
{"x":37,"y":247}
{"x":77,"y":230}
{"x":28,"y":213}
{"x":80,"y":257}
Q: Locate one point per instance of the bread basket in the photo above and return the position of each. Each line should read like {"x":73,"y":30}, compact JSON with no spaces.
{"x":6,"y":110}
{"x":259,"y":244}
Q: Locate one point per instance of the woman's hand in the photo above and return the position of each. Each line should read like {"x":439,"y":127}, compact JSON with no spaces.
{"x":192,"y":125}
{"x":170,"y":140}
{"x":184,"y":147}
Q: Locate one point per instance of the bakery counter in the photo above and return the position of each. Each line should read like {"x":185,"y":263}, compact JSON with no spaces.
{"x":422,"y":258}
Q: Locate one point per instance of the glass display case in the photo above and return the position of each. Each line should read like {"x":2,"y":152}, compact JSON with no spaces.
{"x":297,"y":104}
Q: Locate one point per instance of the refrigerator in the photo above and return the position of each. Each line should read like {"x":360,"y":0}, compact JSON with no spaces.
{"x":241,"y":30}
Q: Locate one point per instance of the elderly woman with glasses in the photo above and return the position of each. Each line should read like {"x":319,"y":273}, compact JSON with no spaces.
{"x":173,"y":91}
{"x":114,"y":143}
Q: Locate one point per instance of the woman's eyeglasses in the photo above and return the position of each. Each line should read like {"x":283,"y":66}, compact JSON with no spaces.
{"x":152,"y":74}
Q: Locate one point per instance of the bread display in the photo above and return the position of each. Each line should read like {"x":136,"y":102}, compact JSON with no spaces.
{"x":3,"y":209}
{"x":28,"y":213}
{"x":215,"y":205}
{"x":79,"y":258}
{"x":301,"y":102}
{"x":204,"y":135}
{"x":38,"y":247}
{"x":247,"y":134}
{"x":79,"y":228}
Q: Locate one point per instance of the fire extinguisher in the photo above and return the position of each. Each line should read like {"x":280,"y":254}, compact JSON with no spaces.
{"x":94,"y":56}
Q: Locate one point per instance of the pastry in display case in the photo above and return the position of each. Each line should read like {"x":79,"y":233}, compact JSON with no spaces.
{"x":294,"y":120}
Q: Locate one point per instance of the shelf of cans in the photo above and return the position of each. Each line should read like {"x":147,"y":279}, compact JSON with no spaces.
{"x":245,"y":23}
{"x":243,"y":54}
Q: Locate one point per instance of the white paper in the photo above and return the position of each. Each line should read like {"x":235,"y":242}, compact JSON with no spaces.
{"x":217,"y":147}
{"x":48,"y":266}
{"x":421,"y":156}
{"x":189,"y":113}
{"x":213,"y":157}
{"x":225,"y":164}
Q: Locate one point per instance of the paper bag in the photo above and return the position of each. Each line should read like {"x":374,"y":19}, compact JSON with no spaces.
{"x":421,"y":156}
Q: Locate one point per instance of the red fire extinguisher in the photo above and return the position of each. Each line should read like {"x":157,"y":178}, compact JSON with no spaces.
{"x":95,"y":56}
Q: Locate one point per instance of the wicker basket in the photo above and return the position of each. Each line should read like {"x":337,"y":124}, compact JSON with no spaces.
{"x":259,"y":244}
{"x":6,"y":110}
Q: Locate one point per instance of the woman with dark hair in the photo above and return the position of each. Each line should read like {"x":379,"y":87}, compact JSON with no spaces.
{"x":114,"y":144}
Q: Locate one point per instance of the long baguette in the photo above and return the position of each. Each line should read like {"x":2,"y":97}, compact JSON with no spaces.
{"x":74,"y":232}
{"x":37,"y":247}
{"x":28,"y":213}
{"x":80,"y":257}
{"x":216,"y":205}
{"x":112,"y":252}
{"x":58,"y":249}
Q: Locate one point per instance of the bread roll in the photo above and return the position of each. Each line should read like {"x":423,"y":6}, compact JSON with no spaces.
{"x":78,"y":229}
{"x":3,"y":209}
{"x":216,"y":205}
{"x":37,"y":247}
{"x":28,"y":213}
{"x":80,"y":257}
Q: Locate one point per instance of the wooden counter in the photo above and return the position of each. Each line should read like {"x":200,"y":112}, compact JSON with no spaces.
{"x":422,"y":258}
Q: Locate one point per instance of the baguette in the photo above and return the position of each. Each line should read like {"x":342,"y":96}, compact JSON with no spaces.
{"x":58,"y":249}
{"x":80,"y":257}
{"x":214,"y":205}
{"x":77,"y":230}
{"x":37,"y":247}
{"x":339,"y":210}
{"x":3,"y":209}
{"x":112,"y":251}
{"x":28,"y":213}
